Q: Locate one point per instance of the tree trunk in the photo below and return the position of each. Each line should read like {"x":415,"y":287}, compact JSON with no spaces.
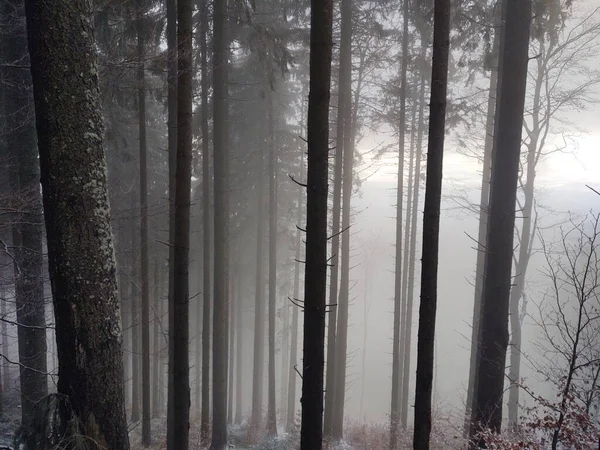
{"x":6,"y":384}
{"x":334,"y":270}
{"x":156,"y":362}
{"x":410,"y":289}
{"x":135,"y":314}
{"x":271,"y":404}
{"x":285,"y":358}
{"x":124,"y":289}
{"x":77,"y":214}
{"x":239,"y":354}
{"x":315,"y":282}
{"x":183,"y":174}
{"x":172,"y":160}
{"x":144,"y":283}
{"x":397,"y":359}
{"x":259,"y":307}
{"x":220,"y":113}
{"x":341,"y":342}
{"x":483,"y":217}
{"x":431,"y":225}
{"x":292,"y":374}
{"x":27,"y":227}
{"x":206,"y":228}
{"x":512,"y":81}
{"x":234,"y":300}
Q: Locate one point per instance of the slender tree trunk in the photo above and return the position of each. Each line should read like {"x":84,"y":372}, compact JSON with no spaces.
{"x":259,"y":308}
{"x":135,"y":314}
{"x":6,"y":384}
{"x":206,"y":228}
{"x":397,"y":359}
{"x":220,"y":113}
{"x":240,"y":353}
{"x":24,"y":177}
{"x":271,"y":404}
{"x":292,"y":375}
{"x":124,"y":289}
{"x":410,"y":289}
{"x":334,"y":270}
{"x":232,"y":324}
{"x":183,"y":173}
{"x":172,"y":160}
{"x":156,"y":399}
{"x":483,"y":218}
{"x":491,"y":357}
{"x":517,"y":289}
{"x":74,"y":181}
{"x":285,"y":358}
{"x":144,"y":283}
{"x":341,"y":343}
{"x":315,"y":282}
{"x":431,"y":225}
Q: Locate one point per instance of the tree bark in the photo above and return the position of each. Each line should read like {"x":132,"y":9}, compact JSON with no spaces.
{"x":220,"y":113}
{"x":271,"y":403}
{"x":183,"y":174}
{"x":315,"y":283}
{"x":144,"y":283}
{"x":77,"y":214}
{"x":397,"y":359}
{"x":483,"y":217}
{"x":234,"y":300}
{"x":431,"y":225}
{"x":512,"y":81}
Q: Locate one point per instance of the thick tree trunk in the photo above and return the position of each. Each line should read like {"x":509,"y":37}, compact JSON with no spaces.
{"x":271,"y":403}
{"x":292,"y":374}
{"x":315,"y":283}
{"x":512,"y":82}
{"x":399,"y":317}
{"x":77,"y":213}
{"x":6,"y":384}
{"x":431,"y":225}
{"x":483,"y":217}
{"x":259,"y":306}
{"x":285,"y":358}
{"x":220,"y":113}
{"x":206,"y":228}
{"x":27,"y":227}
{"x":172,"y":160}
{"x":183,"y":173}
{"x":144,"y":283}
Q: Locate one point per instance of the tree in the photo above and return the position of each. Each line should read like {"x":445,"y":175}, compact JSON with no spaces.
{"x":172,"y":162}
{"x":396,"y":355}
{"x":271,"y":405}
{"x":80,"y":247}
{"x":512,"y":81}
{"x":311,"y":432}
{"x":145,"y":285}
{"x":291,"y":402}
{"x":27,"y":227}
{"x":183,"y":174}
{"x":431,"y":224}
{"x":220,"y":113}
{"x":206,"y":227}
